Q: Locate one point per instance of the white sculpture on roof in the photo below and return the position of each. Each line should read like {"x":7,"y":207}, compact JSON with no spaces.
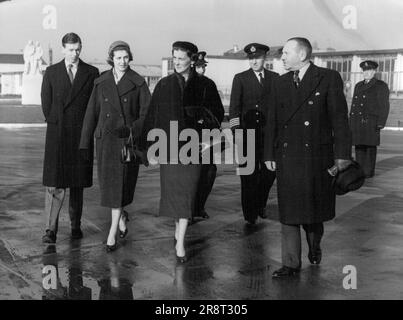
{"x":33,"y":58}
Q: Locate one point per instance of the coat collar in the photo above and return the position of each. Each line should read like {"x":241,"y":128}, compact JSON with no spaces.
{"x":364,"y":86}
{"x":309,"y":84}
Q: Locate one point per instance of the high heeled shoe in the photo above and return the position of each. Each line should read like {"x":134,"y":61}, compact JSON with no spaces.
{"x":123,"y":234}
{"x":111,"y":248}
{"x":181,"y":259}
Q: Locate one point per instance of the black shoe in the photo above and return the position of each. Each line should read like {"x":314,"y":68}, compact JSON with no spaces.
{"x":49,"y":237}
{"x":76,"y":233}
{"x":125,"y":216}
{"x":204,"y":214}
{"x":315,"y":255}
{"x":111,"y":248}
{"x":181,"y":259}
{"x":251,"y":222}
{"x":263,"y":214}
{"x":285,"y":271}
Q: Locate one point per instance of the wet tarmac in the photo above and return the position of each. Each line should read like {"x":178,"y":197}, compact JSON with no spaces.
{"x":227,"y":259}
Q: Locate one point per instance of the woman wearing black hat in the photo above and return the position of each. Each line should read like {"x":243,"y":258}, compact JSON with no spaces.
{"x":171,"y":99}
{"x":116,"y":110}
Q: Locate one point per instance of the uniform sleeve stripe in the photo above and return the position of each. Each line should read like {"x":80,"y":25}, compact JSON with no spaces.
{"x":234,"y":122}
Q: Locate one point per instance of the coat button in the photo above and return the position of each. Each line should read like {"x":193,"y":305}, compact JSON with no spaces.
{"x":306,"y":123}
{"x":285,"y":144}
{"x":363,"y":97}
{"x":285,"y":127}
{"x":257,"y":121}
{"x":120,"y":115}
{"x":355,"y":97}
{"x":310,"y":102}
{"x":106,"y":99}
{"x":353,"y":105}
{"x":125,"y":99}
{"x":306,"y":145}
{"x":257,"y":113}
{"x":107,"y":115}
{"x":257,"y":106}
{"x":360,"y":113}
{"x":361,"y":104}
{"x":352,"y":113}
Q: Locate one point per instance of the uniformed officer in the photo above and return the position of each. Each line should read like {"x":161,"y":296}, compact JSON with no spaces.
{"x":368,"y":115}
{"x":250,"y":92}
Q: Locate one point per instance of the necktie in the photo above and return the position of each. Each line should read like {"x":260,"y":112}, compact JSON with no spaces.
{"x":261,"y":78}
{"x":70,"y":73}
{"x":297,"y":80}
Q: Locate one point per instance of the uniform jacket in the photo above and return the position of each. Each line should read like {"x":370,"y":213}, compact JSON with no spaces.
{"x":369,"y":112}
{"x":307,"y":131}
{"x":104,"y":115}
{"x":169,"y":100}
{"x":64,"y":106}
{"x":250,"y":102}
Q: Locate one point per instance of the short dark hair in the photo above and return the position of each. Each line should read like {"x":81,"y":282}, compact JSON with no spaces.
{"x":71,"y":37}
{"x":304,"y":44}
{"x":109,"y":60}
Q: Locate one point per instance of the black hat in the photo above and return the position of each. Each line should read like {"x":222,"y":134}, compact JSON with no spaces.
{"x":254,"y":50}
{"x":350,"y":179}
{"x":184,"y":45}
{"x":368,"y":65}
{"x":200,"y":59}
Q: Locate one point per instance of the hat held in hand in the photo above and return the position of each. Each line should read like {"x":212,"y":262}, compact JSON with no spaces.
{"x":350,"y":179}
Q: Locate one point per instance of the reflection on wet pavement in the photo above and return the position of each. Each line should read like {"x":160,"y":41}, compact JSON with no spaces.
{"x":228,"y":260}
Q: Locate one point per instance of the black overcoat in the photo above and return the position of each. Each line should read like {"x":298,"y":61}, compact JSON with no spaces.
{"x":308,"y":131}
{"x":169,"y":100}
{"x":369,"y":112}
{"x":64,"y":106}
{"x":104,"y":115}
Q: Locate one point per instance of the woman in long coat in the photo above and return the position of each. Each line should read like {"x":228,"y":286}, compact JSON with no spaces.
{"x":118,"y":105}
{"x":171,"y":98}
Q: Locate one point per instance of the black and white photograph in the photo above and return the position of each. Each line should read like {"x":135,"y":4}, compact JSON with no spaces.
{"x":201,"y":155}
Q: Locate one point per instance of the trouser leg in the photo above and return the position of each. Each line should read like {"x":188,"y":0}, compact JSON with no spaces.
{"x":314,"y":233}
{"x":207,"y":177}
{"x":291,"y":246}
{"x":249,"y":195}
{"x":54,"y":198}
{"x":366,"y":157}
{"x":372,"y":160}
{"x":76,"y":207}
{"x":266,"y":182}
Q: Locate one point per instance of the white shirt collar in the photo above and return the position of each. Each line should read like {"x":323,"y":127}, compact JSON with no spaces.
{"x":303,"y":70}
{"x":257,"y":74}
{"x":75,"y":64}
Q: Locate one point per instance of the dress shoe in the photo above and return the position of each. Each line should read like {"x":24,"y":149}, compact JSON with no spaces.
{"x":315,"y":255}
{"x":49,"y":237}
{"x":263,"y":214}
{"x":125,"y":217}
{"x":285,"y":271}
{"x":76,"y":233}
{"x":251,"y":222}
{"x":181,"y":259}
{"x":111,"y":248}
{"x":204,"y":214}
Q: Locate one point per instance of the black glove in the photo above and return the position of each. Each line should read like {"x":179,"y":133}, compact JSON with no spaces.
{"x":85,"y":154}
{"x":122,"y":132}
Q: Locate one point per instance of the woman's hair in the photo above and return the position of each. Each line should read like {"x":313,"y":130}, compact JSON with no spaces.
{"x":109,"y":60}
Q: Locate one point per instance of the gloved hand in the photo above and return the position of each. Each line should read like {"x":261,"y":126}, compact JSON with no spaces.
{"x":85,"y":154}
{"x":342,"y":164}
{"x":122,"y":132}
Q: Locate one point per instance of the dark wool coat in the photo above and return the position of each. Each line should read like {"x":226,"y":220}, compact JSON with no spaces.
{"x":250,"y":102}
{"x":369,"y":112}
{"x":308,"y":131}
{"x":104,"y":115}
{"x":169,"y":100}
{"x":64,"y":106}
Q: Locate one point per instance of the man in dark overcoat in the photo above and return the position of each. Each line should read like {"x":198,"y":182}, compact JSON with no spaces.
{"x":250,"y":90}
{"x":66,"y":89}
{"x":308,"y":134}
{"x":368,"y":115}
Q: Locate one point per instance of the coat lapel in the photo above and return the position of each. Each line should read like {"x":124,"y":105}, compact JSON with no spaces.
{"x":79,"y":80}
{"x":110,"y":91}
{"x":254,"y":82}
{"x":125,"y":84}
{"x":365,"y":86}
{"x":309,"y":84}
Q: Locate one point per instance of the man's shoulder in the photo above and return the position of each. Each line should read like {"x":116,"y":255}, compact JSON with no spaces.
{"x":243,"y":74}
{"x":89,"y":67}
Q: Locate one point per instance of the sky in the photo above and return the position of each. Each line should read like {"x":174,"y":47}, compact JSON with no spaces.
{"x":151,"y":26}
